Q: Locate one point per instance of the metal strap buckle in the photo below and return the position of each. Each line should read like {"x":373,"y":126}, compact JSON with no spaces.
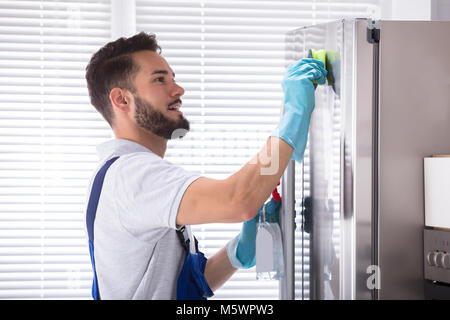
{"x":184,"y":238}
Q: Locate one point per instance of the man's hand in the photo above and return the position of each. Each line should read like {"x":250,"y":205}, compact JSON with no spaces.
{"x":299,"y":103}
{"x":242,"y":249}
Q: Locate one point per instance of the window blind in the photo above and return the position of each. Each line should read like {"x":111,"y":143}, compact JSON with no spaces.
{"x":48,"y":133}
{"x":230,"y":58}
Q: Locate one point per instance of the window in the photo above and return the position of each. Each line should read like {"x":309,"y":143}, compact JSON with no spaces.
{"x":228,"y":55}
{"x":48,"y":134}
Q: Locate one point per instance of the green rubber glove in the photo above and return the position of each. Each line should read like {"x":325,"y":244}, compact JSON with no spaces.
{"x":241,"y":250}
{"x":299,"y":103}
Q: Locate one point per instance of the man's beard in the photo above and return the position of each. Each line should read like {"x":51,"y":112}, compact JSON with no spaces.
{"x":147,"y":117}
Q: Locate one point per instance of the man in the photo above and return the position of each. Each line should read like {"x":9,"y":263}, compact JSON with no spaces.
{"x":144,"y":199}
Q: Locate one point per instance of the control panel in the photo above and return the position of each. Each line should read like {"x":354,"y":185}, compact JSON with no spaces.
{"x":437,"y":255}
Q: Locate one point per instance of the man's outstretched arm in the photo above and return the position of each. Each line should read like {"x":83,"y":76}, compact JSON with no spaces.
{"x":273,"y":156}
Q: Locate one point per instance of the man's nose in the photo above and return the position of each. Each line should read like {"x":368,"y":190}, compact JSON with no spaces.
{"x":177,"y":90}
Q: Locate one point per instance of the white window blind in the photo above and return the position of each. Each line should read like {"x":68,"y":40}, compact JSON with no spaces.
{"x":230,"y":58}
{"x":228,"y":55}
{"x":48,"y":133}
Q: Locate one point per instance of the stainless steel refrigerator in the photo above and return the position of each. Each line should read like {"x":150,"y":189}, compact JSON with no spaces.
{"x":353,"y":211}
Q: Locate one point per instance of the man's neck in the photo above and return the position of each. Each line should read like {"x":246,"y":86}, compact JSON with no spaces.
{"x":147,"y":139}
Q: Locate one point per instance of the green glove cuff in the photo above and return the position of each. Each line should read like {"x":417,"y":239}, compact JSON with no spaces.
{"x":231,"y":253}
{"x":293,"y":128}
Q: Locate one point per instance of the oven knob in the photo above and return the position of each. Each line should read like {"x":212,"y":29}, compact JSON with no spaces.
{"x":446,"y":260}
{"x":430,"y":258}
{"x":438,"y":259}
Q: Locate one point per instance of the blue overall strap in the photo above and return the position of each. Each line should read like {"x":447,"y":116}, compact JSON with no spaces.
{"x":191,"y":282}
{"x":185,"y":241}
{"x":90,"y":218}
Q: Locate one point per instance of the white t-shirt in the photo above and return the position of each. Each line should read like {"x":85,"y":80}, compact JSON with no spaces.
{"x":138,"y":254}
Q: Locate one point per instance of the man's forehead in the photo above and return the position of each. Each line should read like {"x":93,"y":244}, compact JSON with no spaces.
{"x":151,"y":63}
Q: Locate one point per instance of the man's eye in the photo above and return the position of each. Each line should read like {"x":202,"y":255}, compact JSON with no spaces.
{"x":160,"y":79}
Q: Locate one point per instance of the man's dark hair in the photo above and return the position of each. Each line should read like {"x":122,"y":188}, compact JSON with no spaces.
{"x":112,"y":66}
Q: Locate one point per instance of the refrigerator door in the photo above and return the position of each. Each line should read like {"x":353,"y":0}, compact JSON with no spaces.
{"x":317,"y":187}
{"x":359,"y":191}
{"x":333,"y":244}
{"x":414,"y":123}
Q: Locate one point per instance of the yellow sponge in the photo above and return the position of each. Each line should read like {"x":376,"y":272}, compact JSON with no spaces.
{"x":320,"y":55}
{"x":331,"y":61}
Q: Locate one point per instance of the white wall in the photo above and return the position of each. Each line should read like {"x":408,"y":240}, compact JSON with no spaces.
{"x":440,"y":10}
{"x":415,"y":9}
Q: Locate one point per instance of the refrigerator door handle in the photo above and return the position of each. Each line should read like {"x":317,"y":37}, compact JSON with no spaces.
{"x":287,"y":283}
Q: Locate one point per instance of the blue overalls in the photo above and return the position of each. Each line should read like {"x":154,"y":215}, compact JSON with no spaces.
{"x":191,"y":283}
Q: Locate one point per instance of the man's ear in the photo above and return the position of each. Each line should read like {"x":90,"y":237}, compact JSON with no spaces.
{"x":120,"y":99}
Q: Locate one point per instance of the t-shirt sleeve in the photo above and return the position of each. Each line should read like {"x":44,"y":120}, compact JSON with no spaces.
{"x":148,"y":192}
